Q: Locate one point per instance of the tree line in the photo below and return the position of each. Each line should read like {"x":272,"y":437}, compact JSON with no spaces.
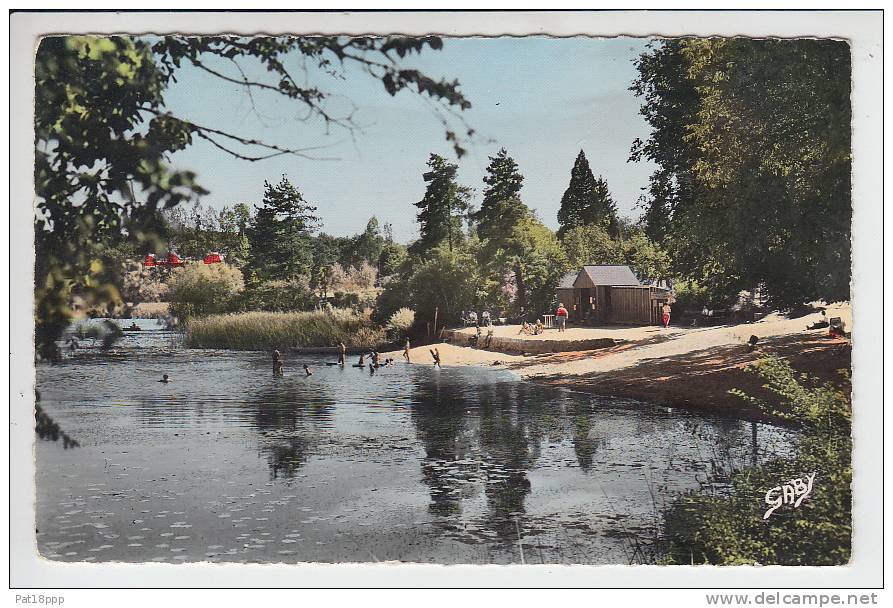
{"x":751,"y":139}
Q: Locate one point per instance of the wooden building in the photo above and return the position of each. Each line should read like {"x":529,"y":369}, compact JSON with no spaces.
{"x":610,"y":294}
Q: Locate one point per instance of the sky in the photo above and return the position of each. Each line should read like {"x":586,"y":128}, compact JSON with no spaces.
{"x":543,"y":99}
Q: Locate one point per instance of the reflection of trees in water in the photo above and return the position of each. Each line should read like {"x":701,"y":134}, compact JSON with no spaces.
{"x":289,"y":422}
{"x":506,"y":426}
{"x":439,"y":417}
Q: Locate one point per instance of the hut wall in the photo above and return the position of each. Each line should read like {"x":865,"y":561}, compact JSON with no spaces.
{"x":636,"y":305}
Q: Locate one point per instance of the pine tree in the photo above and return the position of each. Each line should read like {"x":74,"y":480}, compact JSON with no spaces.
{"x":502,"y":208}
{"x":280,"y":233}
{"x":586,"y":200}
{"x":440,"y":211}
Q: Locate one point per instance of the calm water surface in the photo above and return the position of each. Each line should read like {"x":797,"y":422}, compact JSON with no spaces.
{"x":459,"y":465}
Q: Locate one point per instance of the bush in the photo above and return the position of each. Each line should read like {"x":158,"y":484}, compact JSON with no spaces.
{"x":275,"y":296}
{"x":400,"y":322}
{"x":731,"y":529}
{"x":141,"y":284}
{"x":268,"y":330}
{"x":200,"y":289}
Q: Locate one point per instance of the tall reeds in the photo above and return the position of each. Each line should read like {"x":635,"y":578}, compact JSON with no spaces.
{"x":266,"y":330}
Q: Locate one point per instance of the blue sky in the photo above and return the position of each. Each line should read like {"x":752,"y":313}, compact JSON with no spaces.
{"x":543,"y":99}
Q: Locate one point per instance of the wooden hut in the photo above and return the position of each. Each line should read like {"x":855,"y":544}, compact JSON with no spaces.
{"x":609,"y":294}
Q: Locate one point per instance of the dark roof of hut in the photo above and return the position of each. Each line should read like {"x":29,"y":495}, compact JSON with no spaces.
{"x":567,"y":281}
{"x":614,"y":274}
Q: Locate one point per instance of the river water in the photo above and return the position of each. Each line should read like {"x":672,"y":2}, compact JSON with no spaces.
{"x":457,"y":465}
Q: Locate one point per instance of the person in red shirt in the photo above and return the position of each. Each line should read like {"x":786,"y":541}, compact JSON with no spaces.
{"x":561,"y":316}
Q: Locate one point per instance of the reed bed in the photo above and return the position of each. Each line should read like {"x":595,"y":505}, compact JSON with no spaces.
{"x":266,"y":330}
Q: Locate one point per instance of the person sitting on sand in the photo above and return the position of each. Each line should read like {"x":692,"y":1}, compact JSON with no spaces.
{"x":524,"y":328}
{"x":165,"y":379}
{"x":540,"y":328}
{"x":307,"y":370}
{"x":406,"y":351}
{"x":436,"y":355}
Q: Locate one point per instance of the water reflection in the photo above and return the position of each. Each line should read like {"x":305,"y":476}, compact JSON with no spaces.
{"x":411,"y":463}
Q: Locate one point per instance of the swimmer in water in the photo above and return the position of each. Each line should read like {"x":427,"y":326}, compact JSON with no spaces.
{"x":278,"y":366}
{"x":342,"y":354}
{"x":307,"y":370}
{"x":406,"y":351}
{"x":165,"y":379}
{"x":371,"y":369}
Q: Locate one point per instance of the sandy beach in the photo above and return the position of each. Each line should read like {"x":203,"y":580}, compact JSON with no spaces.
{"x":682,"y":367}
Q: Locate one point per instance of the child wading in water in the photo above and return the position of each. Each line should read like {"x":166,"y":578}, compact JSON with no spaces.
{"x":406,"y":351}
{"x":278,"y":366}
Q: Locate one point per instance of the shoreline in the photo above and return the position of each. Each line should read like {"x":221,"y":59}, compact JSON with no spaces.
{"x":691,"y":369}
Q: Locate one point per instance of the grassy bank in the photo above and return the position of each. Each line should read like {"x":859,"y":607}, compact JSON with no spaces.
{"x":266,"y":330}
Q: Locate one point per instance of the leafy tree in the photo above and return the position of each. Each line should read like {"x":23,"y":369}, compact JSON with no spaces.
{"x":502,"y":208}
{"x":194,"y":232}
{"x":586,"y":200}
{"x":593,"y":245}
{"x":325,"y":254}
{"x":440,"y":209}
{"x":753,"y":184}
{"x":280,"y":233}
{"x":103,"y":137}
{"x":447,"y":279}
{"x":393,"y":256}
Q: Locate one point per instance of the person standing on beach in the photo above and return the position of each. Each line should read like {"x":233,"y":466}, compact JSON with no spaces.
{"x":561,"y":317}
{"x":406,"y":351}
{"x":665,"y":318}
{"x":343,"y":353}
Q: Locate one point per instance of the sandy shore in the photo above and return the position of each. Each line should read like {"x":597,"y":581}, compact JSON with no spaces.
{"x":692,"y":368}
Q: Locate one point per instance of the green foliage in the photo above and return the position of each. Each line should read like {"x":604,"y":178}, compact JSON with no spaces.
{"x":393,"y":257}
{"x":731,"y":529}
{"x":440,"y":210}
{"x":752,"y":140}
{"x":586,"y":201}
{"x":400,"y":322}
{"x":275,"y":296}
{"x":200,"y":289}
{"x":447,"y":280}
{"x":279,"y":234}
{"x":269,"y":330}
{"x":591,"y":244}
{"x":502,"y":208}
{"x":201,"y":230}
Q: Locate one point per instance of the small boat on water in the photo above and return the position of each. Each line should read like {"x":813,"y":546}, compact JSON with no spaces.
{"x":132,"y":327}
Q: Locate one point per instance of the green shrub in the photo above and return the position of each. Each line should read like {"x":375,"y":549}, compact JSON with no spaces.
{"x":200,"y":289}
{"x":400,"y":322}
{"x":275,"y":296}
{"x":731,"y":530}
{"x":268,"y":330}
